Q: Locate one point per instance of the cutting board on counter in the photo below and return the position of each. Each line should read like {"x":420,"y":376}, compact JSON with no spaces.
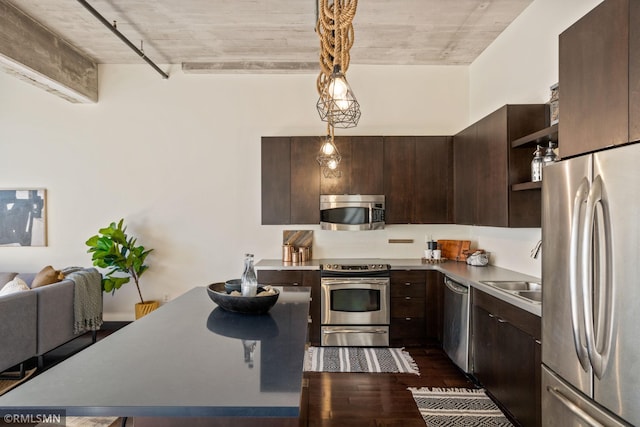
{"x":454,"y":249}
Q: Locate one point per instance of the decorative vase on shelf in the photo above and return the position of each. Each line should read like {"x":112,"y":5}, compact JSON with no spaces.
{"x":549,"y":155}
{"x":536,"y":165}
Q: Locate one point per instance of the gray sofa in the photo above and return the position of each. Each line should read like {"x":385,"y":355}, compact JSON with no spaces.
{"x":18,"y":328}
{"x":35,"y":322}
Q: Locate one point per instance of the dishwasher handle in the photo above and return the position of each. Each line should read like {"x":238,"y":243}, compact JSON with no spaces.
{"x":456,"y":287}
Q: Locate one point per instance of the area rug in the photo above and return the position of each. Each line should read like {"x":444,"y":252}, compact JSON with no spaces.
{"x":359,"y":359}
{"x":444,"y":407}
{"x":6,"y":385}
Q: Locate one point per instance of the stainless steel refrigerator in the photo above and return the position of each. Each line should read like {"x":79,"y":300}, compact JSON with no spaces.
{"x":591,"y":290}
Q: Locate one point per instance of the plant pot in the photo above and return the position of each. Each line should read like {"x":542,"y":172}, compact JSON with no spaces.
{"x":144,"y":308}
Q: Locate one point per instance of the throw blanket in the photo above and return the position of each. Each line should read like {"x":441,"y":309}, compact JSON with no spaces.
{"x":87,"y":299}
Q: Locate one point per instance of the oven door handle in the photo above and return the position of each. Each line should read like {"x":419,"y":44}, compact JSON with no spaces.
{"x":354,"y":331}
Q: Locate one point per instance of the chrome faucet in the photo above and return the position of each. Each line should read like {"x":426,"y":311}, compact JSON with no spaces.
{"x":536,"y":249}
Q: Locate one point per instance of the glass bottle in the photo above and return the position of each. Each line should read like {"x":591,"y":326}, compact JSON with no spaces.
{"x":549,"y":155}
{"x":536,"y":165}
{"x":249,"y":281}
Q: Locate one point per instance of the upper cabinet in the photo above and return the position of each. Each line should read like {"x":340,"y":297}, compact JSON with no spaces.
{"x":465,"y":169}
{"x":413,"y":172}
{"x":418,"y":179}
{"x":276,"y":180}
{"x":290,"y":180}
{"x":599,"y":79}
{"x":360,"y":170}
{"x":486,"y":167}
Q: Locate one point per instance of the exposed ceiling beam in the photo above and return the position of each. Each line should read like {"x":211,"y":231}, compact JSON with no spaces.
{"x":267,"y":67}
{"x":35,"y":54}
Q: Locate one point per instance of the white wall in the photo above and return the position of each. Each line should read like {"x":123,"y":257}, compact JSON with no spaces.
{"x":179,"y":159}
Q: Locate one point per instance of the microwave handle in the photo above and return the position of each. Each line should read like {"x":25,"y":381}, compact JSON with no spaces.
{"x":370,"y":216}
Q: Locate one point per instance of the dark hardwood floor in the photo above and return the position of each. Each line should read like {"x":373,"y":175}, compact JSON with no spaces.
{"x":379,"y":400}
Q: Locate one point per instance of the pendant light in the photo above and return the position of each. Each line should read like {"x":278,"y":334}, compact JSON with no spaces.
{"x":337,"y":104}
{"x":328,"y":156}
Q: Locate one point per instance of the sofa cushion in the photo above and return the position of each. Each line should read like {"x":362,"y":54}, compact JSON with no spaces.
{"x":16,"y":285}
{"x":47,"y":276}
{"x":6,"y":278}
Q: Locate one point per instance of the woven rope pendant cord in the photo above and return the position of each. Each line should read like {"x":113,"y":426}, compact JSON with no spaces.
{"x":337,"y":104}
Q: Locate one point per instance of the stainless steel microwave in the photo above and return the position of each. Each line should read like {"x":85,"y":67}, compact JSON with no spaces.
{"x":351,"y":212}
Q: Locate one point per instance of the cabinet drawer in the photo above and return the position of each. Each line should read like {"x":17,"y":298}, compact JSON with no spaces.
{"x":408,"y":289}
{"x":408,"y":327}
{"x":280,"y":277}
{"x":408,"y":276}
{"x":407,"y":307}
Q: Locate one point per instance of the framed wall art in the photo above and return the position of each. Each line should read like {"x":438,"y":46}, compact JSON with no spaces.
{"x":23,"y":217}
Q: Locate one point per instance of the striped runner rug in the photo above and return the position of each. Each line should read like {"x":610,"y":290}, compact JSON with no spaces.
{"x":359,"y":359}
{"x":448,"y":407}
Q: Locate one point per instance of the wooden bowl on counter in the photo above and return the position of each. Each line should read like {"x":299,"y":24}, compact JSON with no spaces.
{"x":240,"y":304}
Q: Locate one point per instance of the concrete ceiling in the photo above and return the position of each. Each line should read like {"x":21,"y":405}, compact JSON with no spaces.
{"x":237,"y":32}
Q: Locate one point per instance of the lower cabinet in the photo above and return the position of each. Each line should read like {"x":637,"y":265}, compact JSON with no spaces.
{"x":309,"y":278}
{"x":506,"y":355}
{"x":416,"y":308}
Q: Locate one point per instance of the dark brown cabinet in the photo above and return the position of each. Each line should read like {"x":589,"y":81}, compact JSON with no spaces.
{"x":290,"y":180}
{"x":308,"y":278}
{"x":506,"y":355}
{"x":408,"y":308}
{"x":360,"y":170}
{"x":599,"y":79}
{"x":418,"y":180}
{"x":435,"y":306}
{"x":413,"y":172}
{"x":465,"y":169}
{"x":276,"y":180}
{"x":416,"y":307}
{"x":486,"y":167}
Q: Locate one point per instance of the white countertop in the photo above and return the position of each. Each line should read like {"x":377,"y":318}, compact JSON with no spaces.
{"x":459,"y":271}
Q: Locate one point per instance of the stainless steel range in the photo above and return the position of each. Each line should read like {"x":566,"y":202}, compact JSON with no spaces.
{"x":355,"y":304}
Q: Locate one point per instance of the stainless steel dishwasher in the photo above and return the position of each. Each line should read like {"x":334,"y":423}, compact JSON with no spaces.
{"x":456,"y":323}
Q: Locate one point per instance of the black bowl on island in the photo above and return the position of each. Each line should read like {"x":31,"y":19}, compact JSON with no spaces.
{"x":239,"y":304}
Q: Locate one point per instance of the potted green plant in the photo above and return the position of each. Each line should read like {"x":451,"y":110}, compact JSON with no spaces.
{"x":113,"y":250}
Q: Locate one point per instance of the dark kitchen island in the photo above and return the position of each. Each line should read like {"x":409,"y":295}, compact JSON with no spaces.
{"x":189,"y":358}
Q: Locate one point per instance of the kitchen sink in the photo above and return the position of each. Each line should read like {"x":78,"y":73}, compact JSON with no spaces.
{"x":511,"y":285}
{"x":532,"y":295}
{"x":531,"y":291}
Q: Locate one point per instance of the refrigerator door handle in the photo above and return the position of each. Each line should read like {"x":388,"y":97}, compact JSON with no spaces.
{"x":577,"y":316}
{"x":591,"y":248}
{"x":579,"y":412}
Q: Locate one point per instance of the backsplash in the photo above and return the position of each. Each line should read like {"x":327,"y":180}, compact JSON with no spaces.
{"x":510,"y":248}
